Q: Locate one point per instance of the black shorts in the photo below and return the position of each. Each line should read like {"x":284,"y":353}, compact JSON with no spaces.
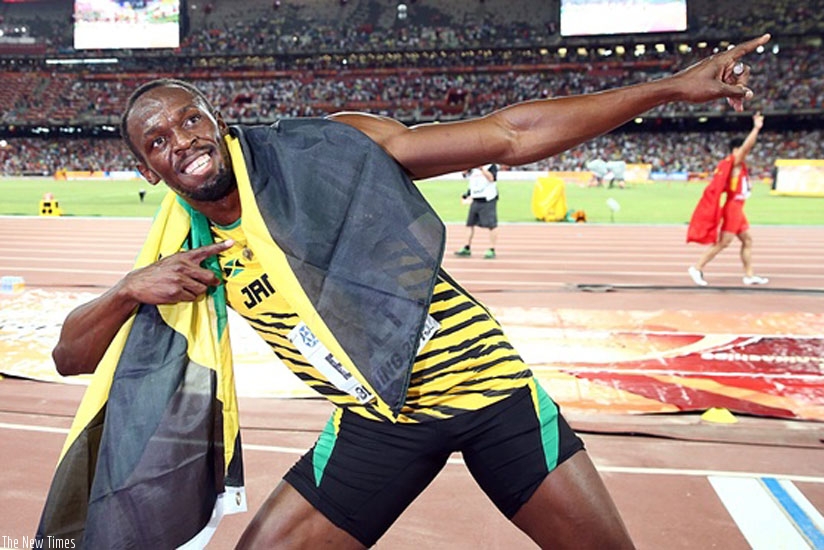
{"x":483,"y":213}
{"x":362,"y":474}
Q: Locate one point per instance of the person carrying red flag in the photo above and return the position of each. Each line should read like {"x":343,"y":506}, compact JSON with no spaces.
{"x":731,"y":177}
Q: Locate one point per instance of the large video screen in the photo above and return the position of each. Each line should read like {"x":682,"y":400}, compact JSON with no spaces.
{"x":591,"y":17}
{"x":126,"y":24}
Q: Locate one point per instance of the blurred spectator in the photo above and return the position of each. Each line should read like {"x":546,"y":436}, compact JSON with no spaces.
{"x":35,"y":156}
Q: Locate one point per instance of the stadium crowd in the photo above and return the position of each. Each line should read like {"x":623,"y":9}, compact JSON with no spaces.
{"x":670,"y":152}
{"x":792,"y":80}
{"x":446,"y":60}
{"x":284,"y":26}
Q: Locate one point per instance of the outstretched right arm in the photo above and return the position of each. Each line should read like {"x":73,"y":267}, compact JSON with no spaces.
{"x":90,"y":328}
{"x":749,"y":141}
{"x":533,"y":130}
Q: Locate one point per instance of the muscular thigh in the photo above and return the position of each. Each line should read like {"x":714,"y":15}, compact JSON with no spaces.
{"x":515,"y":444}
{"x":362,"y":474}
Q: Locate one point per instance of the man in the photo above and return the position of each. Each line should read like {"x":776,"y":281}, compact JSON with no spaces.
{"x":731,"y":177}
{"x":482,"y":194}
{"x":343,"y":280}
{"x":599,"y":170}
{"x":616,"y":170}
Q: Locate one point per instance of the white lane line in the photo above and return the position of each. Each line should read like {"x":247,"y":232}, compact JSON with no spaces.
{"x":707,"y":473}
{"x":50,"y":260}
{"x":682,"y":373}
{"x":601,"y":468}
{"x":793,"y":506}
{"x":56,"y":269}
{"x":33,"y":428}
{"x":802,"y":502}
{"x":601,"y":272}
{"x":274,"y":449}
{"x":760,"y":518}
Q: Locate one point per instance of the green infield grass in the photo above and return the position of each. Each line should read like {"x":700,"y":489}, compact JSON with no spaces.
{"x":647,"y":203}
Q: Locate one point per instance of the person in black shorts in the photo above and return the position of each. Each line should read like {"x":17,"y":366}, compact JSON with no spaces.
{"x":467,"y":389}
{"x":482,"y":194}
{"x":507,"y":447}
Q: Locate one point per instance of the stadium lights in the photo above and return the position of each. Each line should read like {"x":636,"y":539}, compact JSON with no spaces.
{"x":562,"y":52}
{"x":620,"y":50}
{"x":84,"y":61}
{"x":660,"y":48}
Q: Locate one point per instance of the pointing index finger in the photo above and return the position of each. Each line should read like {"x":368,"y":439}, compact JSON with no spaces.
{"x":741,"y":50}
{"x":203,"y":252}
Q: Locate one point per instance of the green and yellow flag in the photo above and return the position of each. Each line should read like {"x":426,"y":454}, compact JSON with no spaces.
{"x":153,"y":457}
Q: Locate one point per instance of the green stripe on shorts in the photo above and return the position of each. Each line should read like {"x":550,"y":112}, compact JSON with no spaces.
{"x":548,"y":417}
{"x":324,"y":447}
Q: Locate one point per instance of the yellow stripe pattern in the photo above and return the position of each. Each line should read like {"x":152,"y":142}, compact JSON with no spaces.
{"x":468,"y":363}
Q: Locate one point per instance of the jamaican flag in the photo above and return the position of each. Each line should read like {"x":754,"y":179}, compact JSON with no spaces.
{"x":153,"y":457}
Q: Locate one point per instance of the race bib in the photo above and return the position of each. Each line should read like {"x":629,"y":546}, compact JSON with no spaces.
{"x":322,"y":359}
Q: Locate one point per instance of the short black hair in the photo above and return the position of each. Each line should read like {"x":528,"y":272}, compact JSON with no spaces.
{"x":146,"y":87}
{"x":735,"y":142}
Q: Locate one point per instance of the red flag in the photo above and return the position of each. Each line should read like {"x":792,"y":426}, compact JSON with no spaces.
{"x":706,"y":217}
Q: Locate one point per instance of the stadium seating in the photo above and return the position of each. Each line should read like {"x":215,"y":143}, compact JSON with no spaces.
{"x":262,"y":60}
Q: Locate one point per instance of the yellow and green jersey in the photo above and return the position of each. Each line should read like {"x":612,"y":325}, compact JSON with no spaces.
{"x":466,"y":364}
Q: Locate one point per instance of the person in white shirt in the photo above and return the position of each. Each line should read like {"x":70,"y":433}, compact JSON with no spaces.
{"x":482,"y":195}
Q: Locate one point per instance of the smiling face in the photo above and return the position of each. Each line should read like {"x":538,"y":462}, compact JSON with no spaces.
{"x":180,"y":141}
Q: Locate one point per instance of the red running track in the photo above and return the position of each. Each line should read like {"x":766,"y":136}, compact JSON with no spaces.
{"x":671,"y":475}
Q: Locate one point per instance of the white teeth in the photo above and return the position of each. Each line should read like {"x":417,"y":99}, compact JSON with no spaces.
{"x":197,"y":164}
